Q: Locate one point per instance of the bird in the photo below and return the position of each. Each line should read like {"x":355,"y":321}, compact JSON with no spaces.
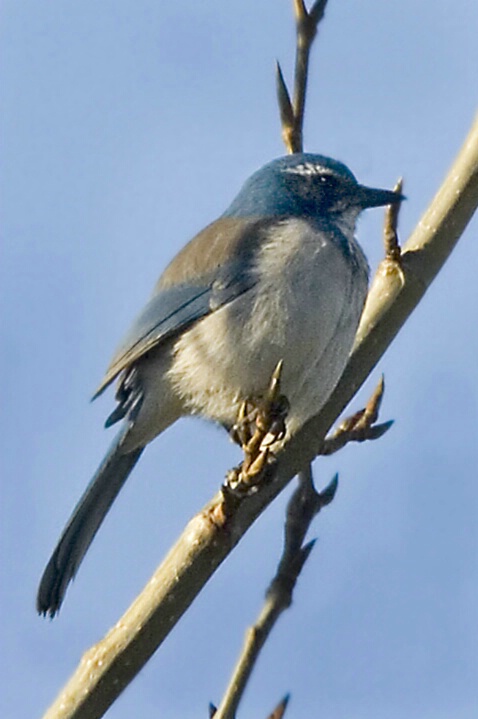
{"x":278,"y":277}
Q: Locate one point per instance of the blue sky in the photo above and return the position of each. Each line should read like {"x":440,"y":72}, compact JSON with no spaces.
{"x":127,"y":126}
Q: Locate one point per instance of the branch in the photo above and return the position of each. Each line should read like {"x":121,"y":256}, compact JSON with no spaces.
{"x":109,"y":666}
{"x":292,"y":113}
{"x":303,"y":506}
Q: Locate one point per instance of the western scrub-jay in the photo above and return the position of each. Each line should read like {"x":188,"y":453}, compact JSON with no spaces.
{"x":279,"y":276}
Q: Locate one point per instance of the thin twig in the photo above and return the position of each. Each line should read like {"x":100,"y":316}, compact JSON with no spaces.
{"x":292,"y":113}
{"x":360,"y":426}
{"x":393,"y":251}
{"x":304,"y":504}
{"x":306,"y":24}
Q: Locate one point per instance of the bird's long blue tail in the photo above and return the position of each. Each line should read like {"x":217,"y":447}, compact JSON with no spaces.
{"x":83,"y":525}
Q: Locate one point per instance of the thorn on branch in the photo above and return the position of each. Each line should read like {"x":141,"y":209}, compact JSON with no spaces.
{"x":285,"y":110}
{"x":302,"y":507}
{"x":316,"y":12}
{"x":279,"y":711}
{"x":328,"y":494}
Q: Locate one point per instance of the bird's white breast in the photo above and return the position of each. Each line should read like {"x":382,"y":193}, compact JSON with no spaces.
{"x":303,"y":309}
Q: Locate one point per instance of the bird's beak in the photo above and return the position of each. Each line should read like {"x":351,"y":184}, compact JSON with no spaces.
{"x":372,"y":197}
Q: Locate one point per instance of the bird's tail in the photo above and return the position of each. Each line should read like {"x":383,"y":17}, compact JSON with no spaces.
{"x":83,"y":525}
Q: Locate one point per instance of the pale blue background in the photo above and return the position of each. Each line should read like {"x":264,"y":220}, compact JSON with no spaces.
{"x":127,"y":126}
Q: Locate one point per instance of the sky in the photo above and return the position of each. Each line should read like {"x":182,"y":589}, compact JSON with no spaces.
{"x":126,"y":128}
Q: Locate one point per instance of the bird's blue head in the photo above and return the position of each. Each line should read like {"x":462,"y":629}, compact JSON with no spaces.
{"x":305,"y":185}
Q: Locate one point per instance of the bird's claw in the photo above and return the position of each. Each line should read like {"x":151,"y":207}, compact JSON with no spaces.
{"x":260,"y":424}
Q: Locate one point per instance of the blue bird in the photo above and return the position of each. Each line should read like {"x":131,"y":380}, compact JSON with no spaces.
{"x":279,"y":276}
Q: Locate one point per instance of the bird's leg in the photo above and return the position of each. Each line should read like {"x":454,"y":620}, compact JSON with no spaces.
{"x":260,"y":424}
{"x":360,"y":426}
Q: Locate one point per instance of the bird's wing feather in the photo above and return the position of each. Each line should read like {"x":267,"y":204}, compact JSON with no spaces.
{"x":184,"y":295}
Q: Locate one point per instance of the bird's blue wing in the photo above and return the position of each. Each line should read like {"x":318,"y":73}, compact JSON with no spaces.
{"x":214,"y":268}
{"x":172,"y":310}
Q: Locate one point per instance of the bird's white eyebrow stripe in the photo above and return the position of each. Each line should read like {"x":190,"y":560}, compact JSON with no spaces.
{"x":308,"y":168}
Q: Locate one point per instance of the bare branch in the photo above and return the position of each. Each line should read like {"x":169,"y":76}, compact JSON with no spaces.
{"x":304,"y":504}
{"x":306,"y":26}
{"x":292,"y":113}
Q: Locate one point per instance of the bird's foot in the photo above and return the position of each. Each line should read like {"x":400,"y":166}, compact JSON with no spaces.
{"x":259,"y":425}
{"x":360,"y":426}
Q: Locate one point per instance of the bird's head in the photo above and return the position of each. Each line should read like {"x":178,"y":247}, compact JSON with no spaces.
{"x":306,"y":185}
